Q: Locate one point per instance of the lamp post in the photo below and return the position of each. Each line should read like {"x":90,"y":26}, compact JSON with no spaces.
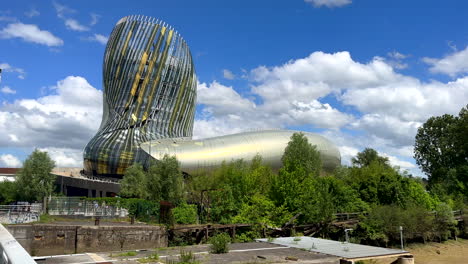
{"x":401,"y":238}
{"x":346,"y":234}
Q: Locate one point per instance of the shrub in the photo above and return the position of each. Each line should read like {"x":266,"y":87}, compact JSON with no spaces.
{"x":185,"y":214}
{"x":219,"y":243}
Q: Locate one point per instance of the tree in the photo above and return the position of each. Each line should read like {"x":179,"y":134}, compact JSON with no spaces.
{"x":301,"y":155}
{"x":35,"y":180}
{"x":441,"y":146}
{"x":367,"y":156}
{"x":301,"y":163}
{"x":134,"y":182}
{"x":164,"y":180}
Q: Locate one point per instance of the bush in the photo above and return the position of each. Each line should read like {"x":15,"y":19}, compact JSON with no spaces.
{"x":185,"y":214}
{"x":219,"y":243}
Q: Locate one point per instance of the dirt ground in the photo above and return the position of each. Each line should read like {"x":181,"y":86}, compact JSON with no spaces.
{"x":435,"y":253}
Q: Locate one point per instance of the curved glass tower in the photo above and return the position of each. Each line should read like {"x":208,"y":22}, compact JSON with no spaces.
{"x":149,"y":93}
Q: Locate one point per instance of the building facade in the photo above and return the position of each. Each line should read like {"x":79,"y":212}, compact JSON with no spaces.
{"x":149,"y":93}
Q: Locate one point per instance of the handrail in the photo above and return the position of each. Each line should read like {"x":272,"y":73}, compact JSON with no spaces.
{"x":11,"y":252}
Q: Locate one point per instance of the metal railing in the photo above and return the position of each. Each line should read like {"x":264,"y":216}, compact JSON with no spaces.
{"x":11,"y":252}
{"x":72,"y":206}
{"x":19,"y":214}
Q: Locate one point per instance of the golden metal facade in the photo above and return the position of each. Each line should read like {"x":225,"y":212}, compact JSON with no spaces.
{"x":208,"y":154}
{"x":149,"y":93}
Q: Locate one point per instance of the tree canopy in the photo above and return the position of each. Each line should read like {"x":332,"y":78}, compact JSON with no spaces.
{"x":35,"y":180}
{"x":441,"y":150}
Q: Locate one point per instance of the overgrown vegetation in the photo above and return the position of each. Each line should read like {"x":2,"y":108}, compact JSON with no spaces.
{"x":220,"y":243}
{"x":240,"y":191}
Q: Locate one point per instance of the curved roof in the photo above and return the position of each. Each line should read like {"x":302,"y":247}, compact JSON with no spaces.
{"x":207,"y":154}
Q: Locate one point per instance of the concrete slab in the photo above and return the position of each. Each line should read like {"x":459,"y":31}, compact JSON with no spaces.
{"x":334,"y":248}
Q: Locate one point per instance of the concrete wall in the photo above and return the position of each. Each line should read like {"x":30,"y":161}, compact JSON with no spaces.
{"x":40,"y":240}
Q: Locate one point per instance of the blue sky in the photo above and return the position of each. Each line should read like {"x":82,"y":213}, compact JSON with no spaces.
{"x":362,"y":73}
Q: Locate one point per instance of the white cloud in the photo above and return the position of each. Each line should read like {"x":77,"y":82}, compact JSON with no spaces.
{"x":98,"y":38}
{"x":8,"y":68}
{"x":30,"y":33}
{"x":383,"y":108}
{"x":73,"y":24}
{"x":94,"y":19}
{"x":8,"y":19}
{"x":328,"y":3}
{"x":7,"y":90}
{"x":32,"y":13}
{"x":9,"y":161}
{"x":227,"y":74}
{"x":62,"y":10}
{"x":452,"y":64}
{"x":65,"y":157}
{"x":66,"y":118}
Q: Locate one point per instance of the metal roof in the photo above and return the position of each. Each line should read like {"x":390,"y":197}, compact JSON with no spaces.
{"x":335,"y":248}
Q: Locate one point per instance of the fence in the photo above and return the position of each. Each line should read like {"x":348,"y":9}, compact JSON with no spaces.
{"x":73,"y":206}
{"x":20,"y":213}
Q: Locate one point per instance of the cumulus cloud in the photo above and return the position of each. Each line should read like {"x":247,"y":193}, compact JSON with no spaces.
{"x":227,"y":74}
{"x":387,"y":107}
{"x":66,"y":118}
{"x":65,"y":157}
{"x":328,"y":3}
{"x":8,"y":68}
{"x":7,"y":90}
{"x":30,"y":33}
{"x":98,"y":38}
{"x":9,"y":161}
{"x":452,"y":64}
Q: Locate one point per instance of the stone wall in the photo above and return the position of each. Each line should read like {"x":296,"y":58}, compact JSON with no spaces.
{"x":40,"y":240}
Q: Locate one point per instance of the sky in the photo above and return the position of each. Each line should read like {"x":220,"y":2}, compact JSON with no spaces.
{"x":362,"y":73}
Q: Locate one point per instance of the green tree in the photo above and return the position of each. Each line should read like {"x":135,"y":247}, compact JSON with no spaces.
{"x":441,"y":146}
{"x":35,"y":180}
{"x":301,"y":155}
{"x":164,"y":180}
{"x":367,"y":156}
{"x":8,"y":192}
{"x":301,"y":162}
{"x":134,"y":182}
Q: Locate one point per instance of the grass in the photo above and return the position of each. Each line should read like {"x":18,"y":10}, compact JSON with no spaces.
{"x":127,"y":254}
{"x":151,"y":258}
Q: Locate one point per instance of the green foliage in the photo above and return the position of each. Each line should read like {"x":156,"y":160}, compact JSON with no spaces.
{"x":185,"y":257}
{"x":301,"y":156}
{"x":326,"y":196}
{"x":164,"y":180}
{"x":161,"y":182}
{"x":141,"y":209}
{"x":133,"y":184}
{"x":367,"y":157}
{"x":127,"y":254}
{"x":8,"y":192}
{"x":220,"y":243}
{"x":185,"y":214}
{"x":444,"y":222}
{"x":441,"y":151}
{"x":35,"y":179}
{"x":261,"y":210}
{"x":150,"y":258}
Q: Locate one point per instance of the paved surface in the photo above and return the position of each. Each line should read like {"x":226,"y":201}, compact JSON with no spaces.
{"x":238,"y":253}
